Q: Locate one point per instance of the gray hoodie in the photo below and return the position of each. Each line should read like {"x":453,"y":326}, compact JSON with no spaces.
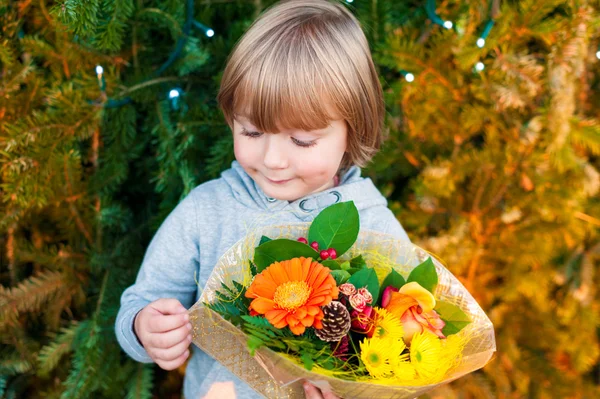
{"x":213,"y":217}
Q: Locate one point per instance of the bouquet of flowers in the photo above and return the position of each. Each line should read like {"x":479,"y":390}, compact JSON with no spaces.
{"x":357,"y":312}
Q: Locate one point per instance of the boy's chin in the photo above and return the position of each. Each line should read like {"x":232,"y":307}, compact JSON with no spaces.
{"x":282,"y":194}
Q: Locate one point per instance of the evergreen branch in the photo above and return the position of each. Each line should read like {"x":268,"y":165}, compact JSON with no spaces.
{"x":12,"y":363}
{"x":72,"y":207}
{"x":149,"y":83}
{"x":140,"y":384}
{"x":51,"y":354}
{"x":29,"y":295}
{"x":176,"y":28}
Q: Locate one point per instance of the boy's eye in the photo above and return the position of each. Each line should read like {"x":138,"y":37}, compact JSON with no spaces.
{"x":251,"y":134}
{"x":299,"y":143}
{"x":305,"y":144}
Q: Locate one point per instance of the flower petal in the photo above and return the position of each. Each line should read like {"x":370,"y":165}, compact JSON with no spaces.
{"x":425,"y":298}
{"x":262,"y":305}
{"x":275,"y":316}
{"x":298,"y":329}
{"x":277,"y":273}
{"x":313,"y":310}
{"x":294,"y":270}
{"x":307,"y":321}
{"x":400,"y":303}
{"x":264,"y":286}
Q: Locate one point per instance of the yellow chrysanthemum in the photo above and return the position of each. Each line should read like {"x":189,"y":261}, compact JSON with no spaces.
{"x":375,"y":355}
{"x":452,"y":348}
{"x":405,"y":372}
{"x":388,"y":326}
{"x":426,"y":354}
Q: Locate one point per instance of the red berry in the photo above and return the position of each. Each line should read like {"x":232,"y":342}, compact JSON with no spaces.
{"x":324,"y":254}
{"x":315,"y":245}
{"x":332,"y":253}
{"x":303,"y":240}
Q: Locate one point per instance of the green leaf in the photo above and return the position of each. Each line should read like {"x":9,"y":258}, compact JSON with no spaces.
{"x":331,"y":264}
{"x":253,"y":270}
{"x":453,"y":316}
{"x":425,"y":275}
{"x":254,"y":343}
{"x":358,"y":262}
{"x":264,"y":239}
{"x":393,"y":279}
{"x":279,"y":250}
{"x":366,"y":278}
{"x":307,"y":360}
{"x":345,"y":265}
{"x":340,"y":276}
{"x":336,"y":227}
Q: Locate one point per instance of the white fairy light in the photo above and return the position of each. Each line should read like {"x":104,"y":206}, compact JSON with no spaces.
{"x":99,"y":70}
{"x":479,"y":66}
{"x":210,"y":33}
{"x":410,"y":77}
{"x":480,"y":42}
{"x":448,"y":24}
{"x":174,"y":94}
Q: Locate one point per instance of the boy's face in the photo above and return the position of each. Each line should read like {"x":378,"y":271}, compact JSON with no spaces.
{"x":292,"y":163}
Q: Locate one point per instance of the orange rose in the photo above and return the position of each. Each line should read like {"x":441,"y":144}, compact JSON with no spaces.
{"x":413,"y":305}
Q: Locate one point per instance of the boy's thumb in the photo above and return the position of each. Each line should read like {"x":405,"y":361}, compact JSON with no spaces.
{"x":169,"y":306}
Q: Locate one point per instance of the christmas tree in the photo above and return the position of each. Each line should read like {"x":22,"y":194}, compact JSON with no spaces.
{"x":108,"y":118}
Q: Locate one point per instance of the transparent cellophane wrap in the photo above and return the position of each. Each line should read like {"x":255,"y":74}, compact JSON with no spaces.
{"x":282,"y":376}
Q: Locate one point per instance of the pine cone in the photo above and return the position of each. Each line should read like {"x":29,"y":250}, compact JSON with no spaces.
{"x":336,"y":322}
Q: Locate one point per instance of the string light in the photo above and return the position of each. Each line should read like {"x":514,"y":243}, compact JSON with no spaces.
{"x":430,"y":9}
{"x":174,"y":95}
{"x":486,"y":32}
{"x":598,"y":53}
{"x":189,"y":22}
{"x":349,"y":1}
{"x":207,"y":31}
{"x":100,"y":75}
{"x":479,"y":66}
{"x":408,"y":76}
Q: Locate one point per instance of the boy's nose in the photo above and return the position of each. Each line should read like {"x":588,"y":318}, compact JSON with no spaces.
{"x":275,"y":157}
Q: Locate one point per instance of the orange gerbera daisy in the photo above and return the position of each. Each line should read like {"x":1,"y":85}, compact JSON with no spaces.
{"x":291,"y":293}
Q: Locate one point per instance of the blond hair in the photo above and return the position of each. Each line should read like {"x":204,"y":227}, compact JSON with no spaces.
{"x":301,"y":65}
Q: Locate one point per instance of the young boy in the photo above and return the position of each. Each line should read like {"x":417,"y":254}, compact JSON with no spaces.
{"x":302,"y":97}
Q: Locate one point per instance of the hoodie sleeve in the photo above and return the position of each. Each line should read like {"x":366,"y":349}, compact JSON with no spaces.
{"x":168,"y":270}
{"x":381,"y":218}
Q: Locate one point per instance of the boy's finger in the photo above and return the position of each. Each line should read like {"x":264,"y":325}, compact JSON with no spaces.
{"x":168,"y":306}
{"x":311,"y":391}
{"x":173,"y":364}
{"x":164,"y":323}
{"x":168,"y":339}
{"x":173,"y":352}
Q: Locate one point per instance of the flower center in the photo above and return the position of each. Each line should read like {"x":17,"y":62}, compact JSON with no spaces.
{"x":292,"y":294}
{"x":374,"y":358}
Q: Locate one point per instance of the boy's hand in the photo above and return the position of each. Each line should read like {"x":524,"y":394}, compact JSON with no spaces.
{"x":163,"y":328}
{"x":312,"y":392}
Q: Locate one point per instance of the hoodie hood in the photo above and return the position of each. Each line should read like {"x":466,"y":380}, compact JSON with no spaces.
{"x":351,"y":187}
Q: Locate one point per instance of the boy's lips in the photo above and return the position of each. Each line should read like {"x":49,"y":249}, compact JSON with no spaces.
{"x":277,"y":181}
